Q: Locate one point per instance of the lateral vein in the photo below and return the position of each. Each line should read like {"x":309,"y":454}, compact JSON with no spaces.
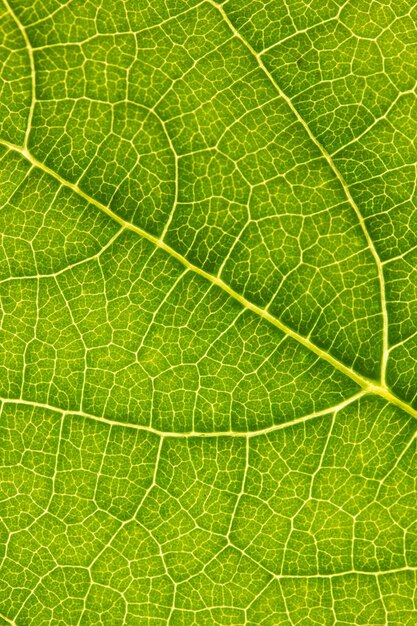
{"x":189,"y":434}
{"x":339,"y":176}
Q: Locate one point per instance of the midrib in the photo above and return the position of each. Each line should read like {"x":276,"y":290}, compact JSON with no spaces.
{"x":366,"y":384}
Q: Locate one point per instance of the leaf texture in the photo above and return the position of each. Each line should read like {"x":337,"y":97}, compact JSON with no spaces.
{"x":208,"y":308}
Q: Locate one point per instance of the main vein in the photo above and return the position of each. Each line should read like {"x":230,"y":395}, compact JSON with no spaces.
{"x":366,"y":384}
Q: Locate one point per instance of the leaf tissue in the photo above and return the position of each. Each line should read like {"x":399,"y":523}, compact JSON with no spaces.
{"x":208,"y":312}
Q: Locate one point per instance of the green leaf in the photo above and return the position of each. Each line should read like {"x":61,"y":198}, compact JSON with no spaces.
{"x":208,"y":305}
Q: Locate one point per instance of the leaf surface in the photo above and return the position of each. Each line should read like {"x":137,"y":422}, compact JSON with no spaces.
{"x":208,"y":313}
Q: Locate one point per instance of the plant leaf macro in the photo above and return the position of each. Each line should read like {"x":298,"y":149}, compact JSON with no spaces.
{"x":208,"y":313}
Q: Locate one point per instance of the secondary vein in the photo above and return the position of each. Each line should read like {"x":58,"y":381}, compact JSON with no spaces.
{"x":339,"y":176}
